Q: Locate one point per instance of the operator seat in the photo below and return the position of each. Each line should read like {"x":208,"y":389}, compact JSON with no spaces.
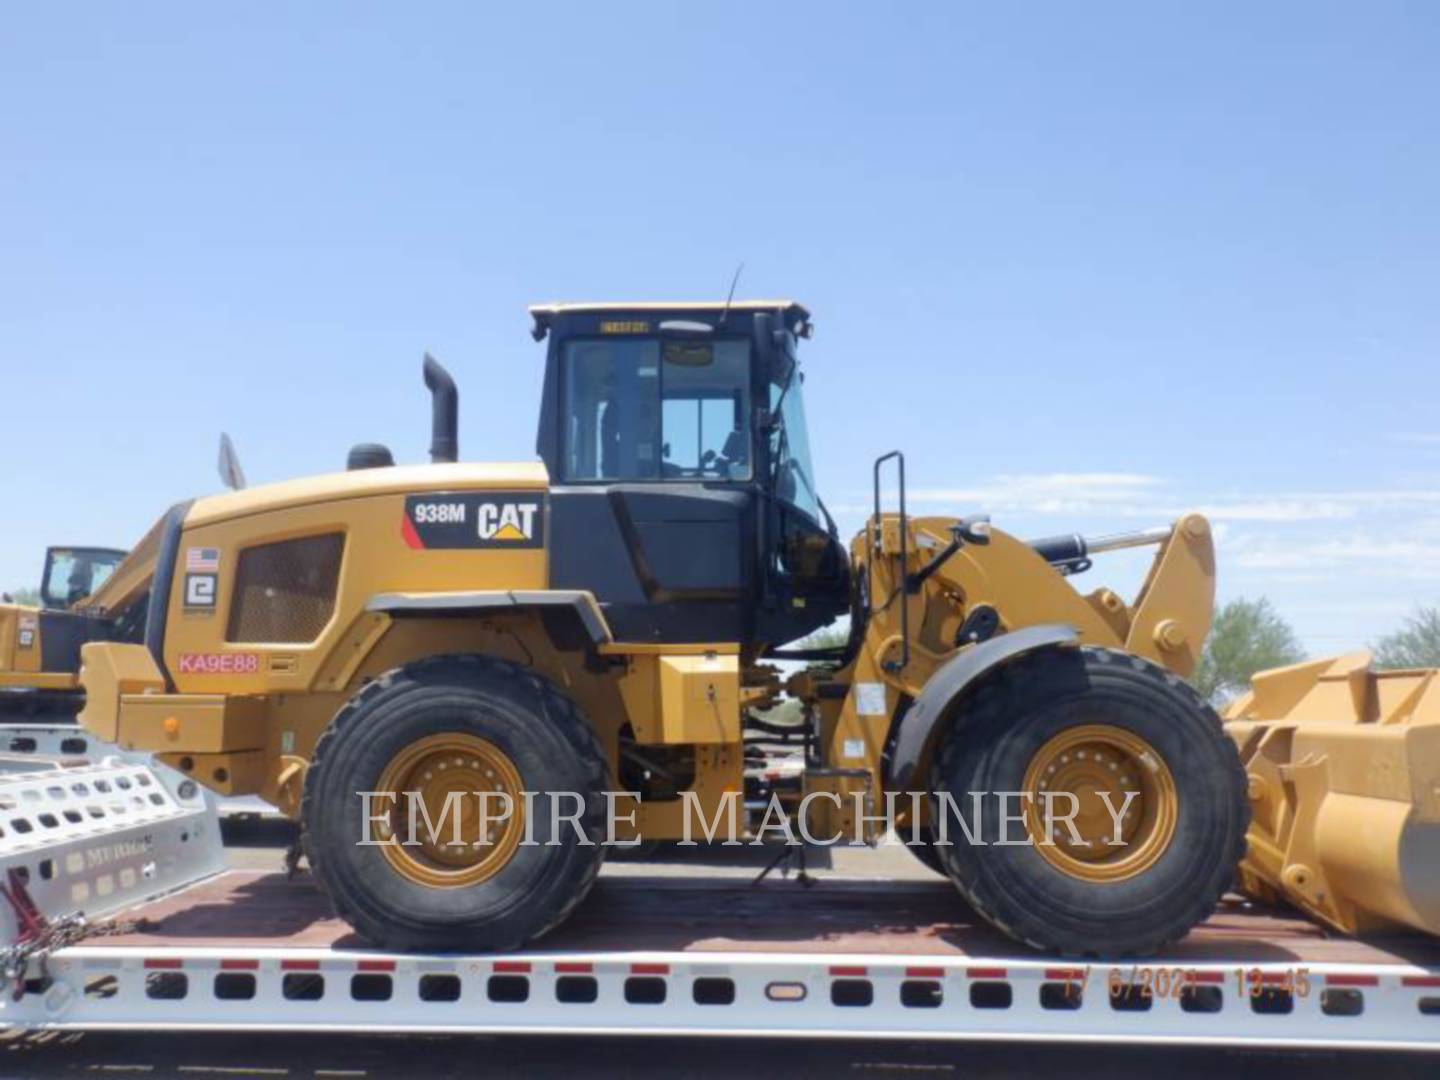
{"x":79,"y":584}
{"x":736,"y":450}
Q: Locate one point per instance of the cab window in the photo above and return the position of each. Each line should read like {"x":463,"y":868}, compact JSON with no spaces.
{"x":71,"y":574}
{"x":646,"y":408}
{"x":790,"y":444}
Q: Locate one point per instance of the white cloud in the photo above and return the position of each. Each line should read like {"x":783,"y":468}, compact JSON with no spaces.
{"x":1390,"y":557}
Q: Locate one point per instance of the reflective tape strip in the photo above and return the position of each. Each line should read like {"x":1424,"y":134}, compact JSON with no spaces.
{"x":1352,"y":980}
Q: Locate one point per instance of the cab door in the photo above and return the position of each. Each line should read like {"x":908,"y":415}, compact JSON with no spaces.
{"x":656,"y":513}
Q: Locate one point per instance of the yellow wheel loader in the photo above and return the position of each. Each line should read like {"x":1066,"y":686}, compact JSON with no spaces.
{"x":446,"y":671}
{"x":40,"y":645}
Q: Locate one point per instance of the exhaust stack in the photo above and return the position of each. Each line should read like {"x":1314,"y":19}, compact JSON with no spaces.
{"x":444,"y":412}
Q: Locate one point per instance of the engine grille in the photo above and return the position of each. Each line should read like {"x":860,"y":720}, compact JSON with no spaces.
{"x":285,"y":592}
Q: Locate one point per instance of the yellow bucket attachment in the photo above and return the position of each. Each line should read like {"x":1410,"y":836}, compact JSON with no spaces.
{"x":1344,"y":772}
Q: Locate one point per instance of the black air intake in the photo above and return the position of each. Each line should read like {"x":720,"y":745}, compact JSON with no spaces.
{"x":367,"y":455}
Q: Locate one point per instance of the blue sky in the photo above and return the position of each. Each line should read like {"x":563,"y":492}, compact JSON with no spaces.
{"x":1089,"y":265}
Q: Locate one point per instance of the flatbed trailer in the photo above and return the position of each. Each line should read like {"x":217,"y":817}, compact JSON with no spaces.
{"x":651,"y":955}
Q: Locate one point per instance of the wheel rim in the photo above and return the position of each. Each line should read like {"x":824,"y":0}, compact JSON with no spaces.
{"x":1085,"y":762}
{"x":428,"y":772}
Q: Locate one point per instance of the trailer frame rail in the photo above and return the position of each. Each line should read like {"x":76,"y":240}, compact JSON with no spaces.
{"x":97,"y":987}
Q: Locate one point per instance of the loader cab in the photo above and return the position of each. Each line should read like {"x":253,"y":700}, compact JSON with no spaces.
{"x":73,"y":573}
{"x":683,"y":494}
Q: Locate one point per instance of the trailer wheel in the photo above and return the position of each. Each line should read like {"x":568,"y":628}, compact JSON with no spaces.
{"x":405,"y":765}
{"x":1126,"y":809}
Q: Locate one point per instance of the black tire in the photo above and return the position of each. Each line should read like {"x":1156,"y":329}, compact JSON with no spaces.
{"x":553,"y":748}
{"x":993,"y":739}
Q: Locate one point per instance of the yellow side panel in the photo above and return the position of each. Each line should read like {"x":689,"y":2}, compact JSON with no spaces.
{"x":377,"y":559}
{"x":8,"y":616}
{"x":39,"y":680}
{"x":191,"y":723}
{"x":19,"y":638}
{"x":700,"y":699}
{"x":109,"y":671}
{"x":683,"y":699}
{"x":20,"y":652}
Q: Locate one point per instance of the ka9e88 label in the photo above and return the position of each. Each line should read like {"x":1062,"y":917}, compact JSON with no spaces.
{"x":472,"y":519}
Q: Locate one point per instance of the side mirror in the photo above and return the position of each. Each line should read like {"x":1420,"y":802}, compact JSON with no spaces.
{"x":975,"y":530}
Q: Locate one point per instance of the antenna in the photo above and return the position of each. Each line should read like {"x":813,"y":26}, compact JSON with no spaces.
{"x":725,"y":314}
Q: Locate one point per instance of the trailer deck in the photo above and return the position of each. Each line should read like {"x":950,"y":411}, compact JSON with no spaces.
{"x":657,"y":955}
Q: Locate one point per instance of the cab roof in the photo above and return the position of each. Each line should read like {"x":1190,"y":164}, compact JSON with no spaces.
{"x":717,"y":306}
{"x":580,"y":315}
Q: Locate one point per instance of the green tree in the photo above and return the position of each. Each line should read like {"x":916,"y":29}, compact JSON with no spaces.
{"x":1416,"y":644}
{"x":26,"y":597}
{"x":1247,"y":636}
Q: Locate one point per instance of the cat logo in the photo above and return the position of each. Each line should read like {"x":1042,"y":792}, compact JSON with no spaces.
{"x":474,"y":520}
{"x":511,"y":521}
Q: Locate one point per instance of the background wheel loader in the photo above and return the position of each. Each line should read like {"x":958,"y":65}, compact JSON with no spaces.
{"x":40,"y":645}
{"x":86,"y":594}
{"x":393,"y":640}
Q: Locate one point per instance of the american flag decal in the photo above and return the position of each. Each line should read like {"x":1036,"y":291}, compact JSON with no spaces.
{"x":202,"y":560}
